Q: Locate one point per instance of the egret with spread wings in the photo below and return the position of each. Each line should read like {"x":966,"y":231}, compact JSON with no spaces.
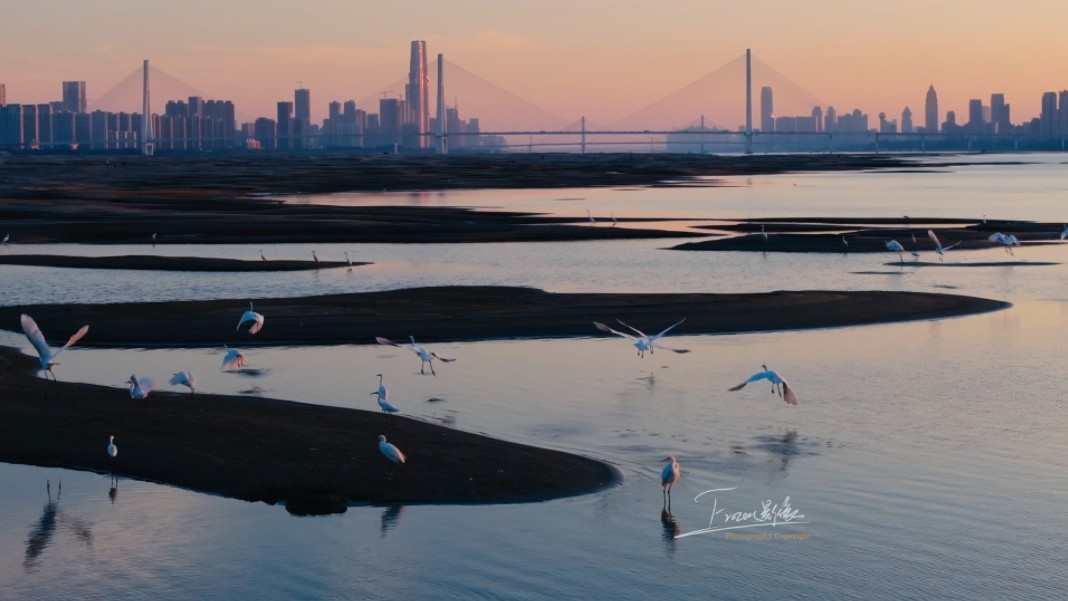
{"x":777,"y":384}
{"x":44,"y":352}
{"x":642,"y":341}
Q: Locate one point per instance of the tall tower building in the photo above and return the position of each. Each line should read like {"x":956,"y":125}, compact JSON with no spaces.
{"x":417,"y":93}
{"x":767,"y":110}
{"x":931,"y":111}
{"x":302,"y":115}
{"x":999,"y":114}
{"x":1047,"y":121}
{"x":3,"y":95}
{"x":975,"y":115}
{"x":906,"y":121}
{"x":284,"y":126}
{"x":74,"y":96}
{"x":1062,"y":113}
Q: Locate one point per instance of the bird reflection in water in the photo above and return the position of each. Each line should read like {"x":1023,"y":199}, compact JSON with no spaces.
{"x":671,"y":527}
{"x":113,"y":492}
{"x":42,"y":532}
{"x":390,"y":517}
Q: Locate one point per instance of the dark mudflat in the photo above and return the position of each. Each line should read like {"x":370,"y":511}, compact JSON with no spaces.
{"x":158,"y":263}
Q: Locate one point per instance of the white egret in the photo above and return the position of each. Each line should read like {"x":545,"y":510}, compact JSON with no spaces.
{"x":612,"y":216}
{"x":845,"y":244}
{"x":777,"y":385}
{"x":1064,"y":234}
{"x":590,"y":217}
{"x":895,"y":246}
{"x":763,"y":233}
{"x":348,"y":260}
{"x":234,"y":359}
{"x":316,"y":257}
{"x":252,"y":316}
{"x":383,"y":396}
{"x":37,"y":339}
{"x":669,"y":476}
{"x":113,"y":451}
{"x":153,"y":238}
{"x":642,"y":341}
{"x":262,"y":258}
{"x":1008,"y":241}
{"x":185,"y":378}
{"x":139,"y":388}
{"x":938,"y":245}
{"x":913,"y":234}
{"x":426,"y":356}
{"x":390,"y":451}
{"x":6,"y":238}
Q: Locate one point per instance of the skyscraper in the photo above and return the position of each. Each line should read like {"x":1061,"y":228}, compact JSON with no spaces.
{"x":74,"y":96}
{"x":1062,"y":114}
{"x":3,"y":95}
{"x":301,"y":116}
{"x":767,"y":110}
{"x":999,"y":114}
{"x":284,"y":125}
{"x":906,"y":121}
{"x":975,"y":115}
{"x":1047,"y":121}
{"x":417,"y":93}
{"x":931,"y":111}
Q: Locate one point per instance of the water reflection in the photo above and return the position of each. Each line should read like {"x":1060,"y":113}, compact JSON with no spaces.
{"x":390,"y":517}
{"x":671,"y":529}
{"x":42,"y":532}
{"x":113,"y":491}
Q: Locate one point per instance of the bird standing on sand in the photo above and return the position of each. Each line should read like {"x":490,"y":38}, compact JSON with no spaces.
{"x":669,"y":476}
{"x":234,"y":359}
{"x":139,"y":388}
{"x":425,"y":355}
{"x":777,"y":385}
{"x":185,"y":378}
{"x":391,"y":452}
{"x":895,"y":246}
{"x":383,"y":396}
{"x":37,"y":339}
{"x":643,"y":342}
{"x":255,"y":318}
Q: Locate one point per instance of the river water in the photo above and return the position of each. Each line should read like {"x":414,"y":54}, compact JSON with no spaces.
{"x":926,"y":459}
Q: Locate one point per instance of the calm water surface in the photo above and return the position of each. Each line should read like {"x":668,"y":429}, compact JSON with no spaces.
{"x":927,"y":458}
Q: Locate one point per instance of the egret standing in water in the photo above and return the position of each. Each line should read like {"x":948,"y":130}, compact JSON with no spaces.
{"x":255,"y":318}
{"x":139,"y":388}
{"x":153,"y":238}
{"x":383,"y":396}
{"x":643,"y":342}
{"x":669,"y":476}
{"x":37,"y":339}
{"x":234,"y":359}
{"x":185,"y":378}
{"x":113,"y":451}
{"x":895,"y":246}
{"x":1008,"y":241}
{"x":590,"y":217}
{"x":938,"y":245}
{"x":426,"y":356}
{"x":348,"y":260}
{"x":391,"y":452}
{"x":316,"y":257}
{"x":612,"y":216}
{"x":777,"y":385}
{"x":763,"y":233}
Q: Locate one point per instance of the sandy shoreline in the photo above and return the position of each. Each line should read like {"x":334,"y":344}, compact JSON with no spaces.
{"x":451,"y":313}
{"x":158,"y":263}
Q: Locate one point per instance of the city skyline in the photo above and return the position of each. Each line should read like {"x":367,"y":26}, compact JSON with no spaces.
{"x":595,"y":58}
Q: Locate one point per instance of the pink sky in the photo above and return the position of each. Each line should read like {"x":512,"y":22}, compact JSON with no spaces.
{"x":600,"y":58}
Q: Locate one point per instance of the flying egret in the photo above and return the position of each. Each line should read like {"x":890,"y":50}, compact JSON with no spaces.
{"x":669,"y":476}
{"x":938,"y":245}
{"x":252,"y":316}
{"x":139,"y":388}
{"x":185,"y":378}
{"x":590,"y":217}
{"x":262,"y":258}
{"x":234,"y":359}
{"x":643,"y":342}
{"x":390,"y":451}
{"x":348,"y":260}
{"x":37,"y":339}
{"x":383,"y":396}
{"x":113,"y":451}
{"x":426,"y":356}
{"x":1006,"y":240}
{"x":777,"y":385}
{"x":895,"y":246}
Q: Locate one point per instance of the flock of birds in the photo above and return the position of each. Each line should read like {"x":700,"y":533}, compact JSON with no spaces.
{"x":1007,"y":241}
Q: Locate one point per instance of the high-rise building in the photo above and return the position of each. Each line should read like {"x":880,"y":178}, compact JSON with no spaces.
{"x":767,"y":110}
{"x":284,"y":126}
{"x":1047,"y":121}
{"x":906,"y":121}
{"x":3,"y":95}
{"x":930,"y":121}
{"x":74,"y":96}
{"x":302,"y":115}
{"x":817,"y":116}
{"x":999,"y":114}
{"x":830,"y":121}
{"x":975,"y":116}
{"x":1062,"y":114}
{"x":417,"y":92}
